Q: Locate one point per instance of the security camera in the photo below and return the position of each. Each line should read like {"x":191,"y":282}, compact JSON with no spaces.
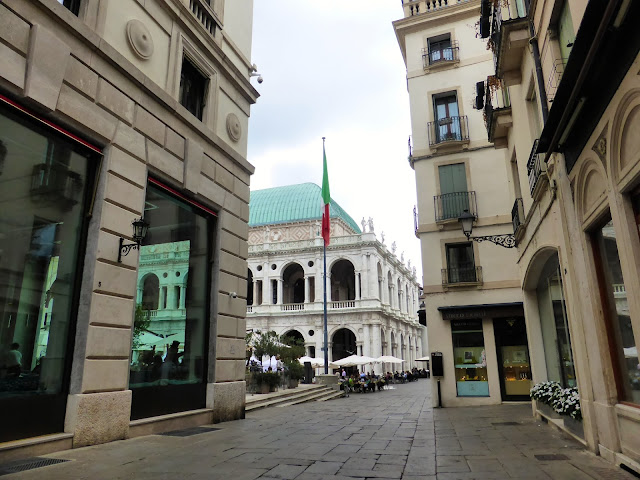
{"x":233,"y":295}
{"x":260,"y":79}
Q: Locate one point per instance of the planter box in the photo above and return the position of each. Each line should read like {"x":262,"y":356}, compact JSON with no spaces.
{"x":293,"y":383}
{"x":574,"y":426}
{"x":546,"y":410}
{"x":263,"y":388}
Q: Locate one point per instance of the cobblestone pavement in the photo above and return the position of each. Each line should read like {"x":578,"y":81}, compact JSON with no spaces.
{"x":394,"y":434}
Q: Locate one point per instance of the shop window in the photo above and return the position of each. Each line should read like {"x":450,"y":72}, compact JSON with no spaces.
{"x":470,"y":358}
{"x":622,"y":343}
{"x":554,"y":325}
{"x":193,"y":88}
{"x":169,"y":351}
{"x":44,"y":184}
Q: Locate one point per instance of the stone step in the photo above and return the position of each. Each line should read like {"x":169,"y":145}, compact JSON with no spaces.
{"x":325,"y":394}
{"x":289,"y":395}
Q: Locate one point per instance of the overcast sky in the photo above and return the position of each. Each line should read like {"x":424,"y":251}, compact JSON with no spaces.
{"x":333,"y":68}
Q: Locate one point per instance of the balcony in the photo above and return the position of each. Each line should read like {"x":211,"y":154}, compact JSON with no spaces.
{"x":536,"y":171}
{"x":417,"y":7}
{"x":517,"y":218}
{"x":461,"y":276}
{"x":450,"y":206}
{"x":440,"y":56}
{"x":497,"y":112}
{"x":202,"y":11}
{"x":448,"y":131}
{"x":508,"y":37}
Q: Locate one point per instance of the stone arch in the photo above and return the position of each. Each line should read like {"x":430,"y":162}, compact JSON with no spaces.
{"x":150,"y":287}
{"x":536,"y":264}
{"x":591,"y":188}
{"x":343,"y":343}
{"x":294,"y":333}
{"x":293,"y":283}
{"x":343,"y":280}
{"x":625,"y":141}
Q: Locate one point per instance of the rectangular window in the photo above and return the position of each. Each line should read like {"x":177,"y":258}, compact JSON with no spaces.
{"x":169,"y":349}
{"x":622,"y":343}
{"x":470,"y":358}
{"x":259,"y":293}
{"x":566,"y":34}
{"x":460,"y":263}
{"x":44,"y":183}
{"x":274,"y":291}
{"x":454,"y":197}
{"x":440,"y":49}
{"x":447,"y":117}
{"x":193,"y":88}
{"x":72,"y":5}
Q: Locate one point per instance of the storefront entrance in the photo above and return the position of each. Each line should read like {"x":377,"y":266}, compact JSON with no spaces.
{"x":513,"y":358}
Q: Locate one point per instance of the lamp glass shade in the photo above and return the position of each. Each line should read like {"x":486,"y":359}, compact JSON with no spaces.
{"x":140,"y":228}
{"x":466,"y":219}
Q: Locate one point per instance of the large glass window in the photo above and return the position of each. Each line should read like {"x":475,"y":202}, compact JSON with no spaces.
{"x":624,"y":349}
{"x":554,"y":325}
{"x":170,"y":329}
{"x":43,"y":183}
{"x":461,"y":266}
{"x":470,"y":358}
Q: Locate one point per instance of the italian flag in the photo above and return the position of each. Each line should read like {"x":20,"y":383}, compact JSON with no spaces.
{"x":326,"y":198}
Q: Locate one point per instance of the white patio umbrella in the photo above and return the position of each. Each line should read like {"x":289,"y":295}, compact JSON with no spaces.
{"x":389,"y":359}
{"x":354,"y":361}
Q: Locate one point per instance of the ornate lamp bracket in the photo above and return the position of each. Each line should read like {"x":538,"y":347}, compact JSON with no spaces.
{"x":508,"y":240}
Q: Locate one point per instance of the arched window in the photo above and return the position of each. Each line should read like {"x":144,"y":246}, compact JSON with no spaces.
{"x":344,"y":344}
{"x":150,"y":292}
{"x":293,"y":284}
{"x":249,"y":288}
{"x":343,"y":281}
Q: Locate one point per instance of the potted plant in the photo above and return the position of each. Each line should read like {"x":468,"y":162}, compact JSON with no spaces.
{"x":295,"y":371}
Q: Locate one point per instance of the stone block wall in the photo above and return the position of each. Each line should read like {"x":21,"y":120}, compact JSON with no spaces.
{"x":57,"y":66}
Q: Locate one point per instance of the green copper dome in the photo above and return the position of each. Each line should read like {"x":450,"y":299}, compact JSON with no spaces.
{"x":292,"y":203}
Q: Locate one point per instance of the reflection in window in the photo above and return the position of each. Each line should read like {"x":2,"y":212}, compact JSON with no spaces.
{"x":625,"y":352}
{"x":554,"y":325}
{"x":42,"y":184}
{"x":470,"y":358}
{"x":169,"y":338}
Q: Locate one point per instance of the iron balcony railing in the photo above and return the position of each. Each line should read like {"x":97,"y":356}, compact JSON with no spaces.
{"x":450,"y":206}
{"x":496,"y":99}
{"x":416,"y":7}
{"x":448,"y":129}
{"x":440,"y":55}
{"x":536,"y":168}
{"x":517,"y":214}
{"x":467,"y":274}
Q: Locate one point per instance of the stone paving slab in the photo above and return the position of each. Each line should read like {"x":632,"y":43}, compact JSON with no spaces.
{"x":394,"y":434}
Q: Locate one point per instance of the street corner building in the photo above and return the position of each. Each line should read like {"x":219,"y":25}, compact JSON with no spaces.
{"x":557,"y":86}
{"x":124,"y":193}
{"x":372,"y":295}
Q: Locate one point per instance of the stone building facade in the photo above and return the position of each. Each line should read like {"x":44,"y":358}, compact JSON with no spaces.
{"x":561,"y":106}
{"x":372,"y":295}
{"x":109,"y":112}
{"x":472,"y":295}
{"x":570,"y":69}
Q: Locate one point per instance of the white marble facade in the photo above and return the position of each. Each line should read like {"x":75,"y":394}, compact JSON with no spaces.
{"x":372,"y":297}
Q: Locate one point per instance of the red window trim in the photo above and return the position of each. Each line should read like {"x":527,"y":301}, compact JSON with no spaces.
{"x":49,"y":124}
{"x":181,"y":196}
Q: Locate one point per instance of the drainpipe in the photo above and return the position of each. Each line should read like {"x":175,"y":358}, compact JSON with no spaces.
{"x":536,"y":60}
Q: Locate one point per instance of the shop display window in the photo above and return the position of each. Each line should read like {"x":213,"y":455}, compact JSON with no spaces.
{"x":470,"y":358}
{"x":45,"y":179}
{"x":554,"y":325}
{"x":169,"y":347}
{"x":622,"y":342}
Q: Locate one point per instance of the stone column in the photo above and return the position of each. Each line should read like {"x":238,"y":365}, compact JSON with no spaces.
{"x":376,"y":347}
{"x":366,"y":340}
{"x":358,"y":281}
{"x":306,"y":289}
{"x":280,"y":291}
{"x":255,"y":292}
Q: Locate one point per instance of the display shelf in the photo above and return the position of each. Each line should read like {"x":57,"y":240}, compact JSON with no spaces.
{"x":471,"y":366}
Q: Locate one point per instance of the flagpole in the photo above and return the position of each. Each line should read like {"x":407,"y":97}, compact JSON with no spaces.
{"x":324,"y":284}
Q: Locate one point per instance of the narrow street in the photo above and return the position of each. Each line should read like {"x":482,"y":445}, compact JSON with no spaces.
{"x":393,"y":434}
